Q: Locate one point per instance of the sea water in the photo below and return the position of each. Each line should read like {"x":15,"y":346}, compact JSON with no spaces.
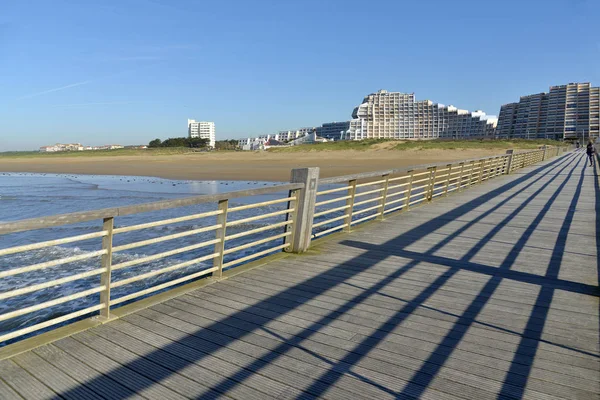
{"x":24,"y":195}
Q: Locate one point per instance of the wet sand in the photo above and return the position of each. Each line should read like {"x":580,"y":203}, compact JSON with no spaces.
{"x":263,"y":166}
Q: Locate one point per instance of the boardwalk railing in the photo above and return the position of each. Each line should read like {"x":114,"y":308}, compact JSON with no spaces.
{"x":309,"y":207}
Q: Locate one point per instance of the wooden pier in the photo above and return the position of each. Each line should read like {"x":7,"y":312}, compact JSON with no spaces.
{"x":491,"y":292}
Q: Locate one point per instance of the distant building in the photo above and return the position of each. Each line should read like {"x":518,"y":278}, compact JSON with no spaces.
{"x":286,"y":136}
{"x":202,"y":130}
{"x":568,"y":112}
{"x":112,"y":147}
{"x":300,"y":136}
{"x":77,"y":147}
{"x":395,"y":115}
{"x":62,"y":147}
{"x":333,"y":130}
{"x":257,"y":143}
{"x":49,"y":149}
{"x":273,"y":143}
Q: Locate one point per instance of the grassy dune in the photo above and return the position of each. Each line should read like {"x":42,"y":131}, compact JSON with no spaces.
{"x":363,"y":145}
{"x":166,"y":151}
{"x":383,"y":144}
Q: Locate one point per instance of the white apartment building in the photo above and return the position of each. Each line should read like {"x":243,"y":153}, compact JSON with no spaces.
{"x":257,"y":143}
{"x":395,"y":115}
{"x":570,"y":112}
{"x":62,"y":147}
{"x":286,"y":136}
{"x":202,"y":130}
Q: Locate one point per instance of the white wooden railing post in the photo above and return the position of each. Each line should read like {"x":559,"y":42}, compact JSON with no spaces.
{"x":106,"y":261}
{"x":350,"y":205}
{"x":471,"y":167}
{"x":408,"y":190}
{"x":431,"y":186}
{"x":448,"y":172}
{"x":544,"y":154}
{"x":220,"y":235}
{"x":293,"y":216}
{"x":305,"y":207}
{"x":461,"y":176}
{"x":510,"y":154}
{"x":383,"y":200}
{"x":481,"y":168}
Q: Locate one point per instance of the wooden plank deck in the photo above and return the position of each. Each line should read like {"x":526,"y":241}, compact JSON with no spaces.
{"x":491,"y":293}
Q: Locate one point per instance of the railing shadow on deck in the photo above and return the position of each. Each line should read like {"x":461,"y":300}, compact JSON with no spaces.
{"x":343,"y":272}
{"x":516,"y":378}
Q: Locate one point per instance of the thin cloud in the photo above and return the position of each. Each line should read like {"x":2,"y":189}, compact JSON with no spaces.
{"x":108,"y":103}
{"x":180,"y":46}
{"x":29,"y":96}
{"x":137,"y":58}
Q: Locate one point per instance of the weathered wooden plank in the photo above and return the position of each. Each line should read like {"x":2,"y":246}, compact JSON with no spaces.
{"x":197,"y":350}
{"x":241,"y":295}
{"x":368,"y":318}
{"x":85,"y":375}
{"x":132,"y":376}
{"x":376,"y":365}
{"x":512,"y":317}
{"x":153,"y":370}
{"x":7,"y":393}
{"x":247,"y":339}
{"x":54,"y":378}
{"x":457,"y":288}
{"x":451,"y":294}
{"x":23,"y":383}
{"x":420,"y":334}
{"x":178,"y":358}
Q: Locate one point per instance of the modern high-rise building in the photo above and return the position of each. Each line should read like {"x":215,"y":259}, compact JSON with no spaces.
{"x":202,"y":130}
{"x":395,"y":115}
{"x":568,"y":112}
{"x":333,"y":130}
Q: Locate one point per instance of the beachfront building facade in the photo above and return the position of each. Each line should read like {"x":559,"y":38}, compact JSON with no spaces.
{"x":333,"y":130}
{"x":566,"y":112}
{"x":396,"y":115}
{"x":257,"y":143}
{"x":77,"y":147}
{"x":202,"y":130}
{"x":286,"y":136}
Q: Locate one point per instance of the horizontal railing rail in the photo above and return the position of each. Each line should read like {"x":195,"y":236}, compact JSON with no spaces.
{"x":372,"y":195}
{"x":84,"y":216}
{"x":395,"y":171}
{"x":109,"y":274}
{"x":205,"y":254}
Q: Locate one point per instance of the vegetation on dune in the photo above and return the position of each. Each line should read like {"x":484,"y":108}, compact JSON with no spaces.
{"x":196,"y":143}
{"x":161,"y":151}
{"x":384,"y":144}
{"x":363,"y":145}
{"x":339,"y":145}
{"x":172,"y":146}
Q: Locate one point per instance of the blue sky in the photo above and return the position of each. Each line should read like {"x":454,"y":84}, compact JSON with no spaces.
{"x":128,"y":71}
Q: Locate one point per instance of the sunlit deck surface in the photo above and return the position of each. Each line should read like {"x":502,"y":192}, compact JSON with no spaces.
{"x":489,"y":293}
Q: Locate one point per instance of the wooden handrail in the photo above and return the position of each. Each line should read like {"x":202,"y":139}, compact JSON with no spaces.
{"x":83,"y":216}
{"x":420,"y":184}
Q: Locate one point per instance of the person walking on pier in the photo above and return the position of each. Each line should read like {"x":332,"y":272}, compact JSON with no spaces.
{"x":590,"y":150}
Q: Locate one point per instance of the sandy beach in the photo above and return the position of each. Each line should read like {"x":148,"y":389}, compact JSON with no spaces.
{"x":263,"y":166}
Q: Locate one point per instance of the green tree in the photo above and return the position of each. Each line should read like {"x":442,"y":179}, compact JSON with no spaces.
{"x":176,"y":142}
{"x":155,"y":143}
{"x":197,"y":143}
